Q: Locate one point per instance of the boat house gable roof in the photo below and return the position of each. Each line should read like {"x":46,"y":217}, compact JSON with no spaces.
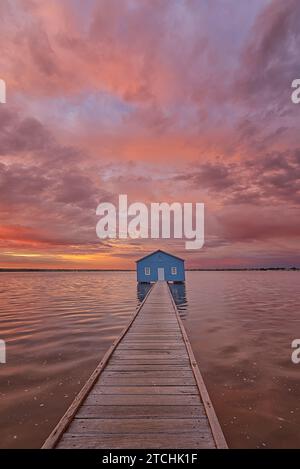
{"x":159,"y":251}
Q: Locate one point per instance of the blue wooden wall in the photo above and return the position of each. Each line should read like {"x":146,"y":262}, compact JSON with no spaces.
{"x":164,"y":260}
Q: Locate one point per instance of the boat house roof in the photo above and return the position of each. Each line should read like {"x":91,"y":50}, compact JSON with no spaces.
{"x":156,"y":252}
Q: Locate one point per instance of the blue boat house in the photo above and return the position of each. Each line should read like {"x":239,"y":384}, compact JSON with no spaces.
{"x":160,"y":266}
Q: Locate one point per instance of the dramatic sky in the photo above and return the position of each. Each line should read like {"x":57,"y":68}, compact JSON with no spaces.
{"x":164,"y":100}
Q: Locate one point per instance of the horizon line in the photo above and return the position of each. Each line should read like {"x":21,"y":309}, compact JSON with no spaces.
{"x":7,"y":269}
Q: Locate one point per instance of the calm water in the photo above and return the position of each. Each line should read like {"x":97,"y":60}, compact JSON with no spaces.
{"x":241,"y":325}
{"x":57,"y":326}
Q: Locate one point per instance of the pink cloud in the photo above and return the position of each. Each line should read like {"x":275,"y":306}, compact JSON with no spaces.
{"x":183,"y":101}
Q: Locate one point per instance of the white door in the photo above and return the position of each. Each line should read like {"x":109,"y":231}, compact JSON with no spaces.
{"x":160,"y":274}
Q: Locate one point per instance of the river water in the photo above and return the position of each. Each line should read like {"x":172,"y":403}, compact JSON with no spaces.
{"x":58,"y":325}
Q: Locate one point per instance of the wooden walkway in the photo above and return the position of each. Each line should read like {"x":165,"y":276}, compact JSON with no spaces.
{"x":147,"y":392}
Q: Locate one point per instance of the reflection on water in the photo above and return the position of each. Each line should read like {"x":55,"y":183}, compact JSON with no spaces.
{"x":179,"y":294}
{"x":57,"y":327}
{"x":142,"y":290}
{"x":241,"y":325}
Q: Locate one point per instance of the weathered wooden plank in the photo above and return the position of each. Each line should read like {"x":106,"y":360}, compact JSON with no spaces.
{"x":154,"y":344}
{"x":142,"y":400}
{"x":153,"y":328}
{"x":150,"y":361}
{"x":147,"y":356}
{"x":138,"y":389}
{"x":122,"y":441}
{"x":161,"y":333}
{"x":159,"y":313}
{"x":152,"y":367}
{"x":156,"y":322}
{"x":150,"y":374}
{"x":154,"y":341}
{"x":154,"y":337}
{"x":139,"y":426}
{"x":168,"y":344}
{"x":126,"y":354}
{"x":151,"y":335}
{"x":166,"y":353}
{"x":145,"y":330}
{"x":147,"y":381}
{"x":152,"y":319}
{"x":156,"y":313}
{"x":153,"y":348}
{"x":135,"y":411}
{"x":150,"y":311}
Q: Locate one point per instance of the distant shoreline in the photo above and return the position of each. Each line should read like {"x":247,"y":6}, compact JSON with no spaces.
{"x":242,"y":269}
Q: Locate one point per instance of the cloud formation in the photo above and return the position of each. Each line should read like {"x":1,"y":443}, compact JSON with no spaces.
{"x":173,"y":100}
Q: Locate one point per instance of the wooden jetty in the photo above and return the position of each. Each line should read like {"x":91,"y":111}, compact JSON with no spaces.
{"x":147,"y":392}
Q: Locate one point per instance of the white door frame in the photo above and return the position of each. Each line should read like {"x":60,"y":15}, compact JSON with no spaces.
{"x":160,"y":274}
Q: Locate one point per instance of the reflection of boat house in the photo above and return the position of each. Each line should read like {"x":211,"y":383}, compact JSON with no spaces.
{"x":160,"y":266}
